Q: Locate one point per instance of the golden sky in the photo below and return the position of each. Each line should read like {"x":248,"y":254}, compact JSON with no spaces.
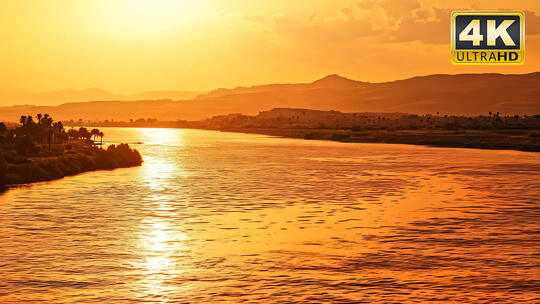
{"x":127,"y":46}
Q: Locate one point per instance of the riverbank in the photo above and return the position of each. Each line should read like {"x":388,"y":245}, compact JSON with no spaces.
{"x":503,"y":139}
{"x":527,"y":140}
{"x":495,"y":131}
{"x":81,"y":157}
{"x":40,"y":149}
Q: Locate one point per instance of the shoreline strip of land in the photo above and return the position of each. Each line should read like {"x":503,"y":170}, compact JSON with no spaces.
{"x":492,"y":131}
{"x":506,"y":139}
{"x":41,"y":150}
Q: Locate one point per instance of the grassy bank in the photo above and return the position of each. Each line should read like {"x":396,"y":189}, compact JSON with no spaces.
{"x":16,"y":169}
{"x":501,"y":139}
{"x":491,"y":131}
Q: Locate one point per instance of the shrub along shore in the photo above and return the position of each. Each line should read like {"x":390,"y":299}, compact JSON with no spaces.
{"x":521,"y":140}
{"x":42,"y":151}
{"x":491,"y":131}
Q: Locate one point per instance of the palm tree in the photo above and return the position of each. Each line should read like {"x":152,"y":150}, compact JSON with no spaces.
{"x":47,"y":120}
{"x":72,"y":133}
{"x":101,"y":135}
{"x":60,"y":128}
{"x":95,"y":133}
{"x":50,"y":137}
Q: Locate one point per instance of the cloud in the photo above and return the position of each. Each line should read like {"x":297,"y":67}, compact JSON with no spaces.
{"x":382,"y":21}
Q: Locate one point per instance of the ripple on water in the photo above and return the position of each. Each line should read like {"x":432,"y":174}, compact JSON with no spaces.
{"x":223,"y":217}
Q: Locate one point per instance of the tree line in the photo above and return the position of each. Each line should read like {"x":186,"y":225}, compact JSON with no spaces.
{"x":41,"y":130}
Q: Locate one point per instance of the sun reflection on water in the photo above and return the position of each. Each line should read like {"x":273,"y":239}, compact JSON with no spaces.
{"x":161,"y":166}
{"x":229,"y":218}
{"x":161,"y":244}
{"x":161,"y":241}
{"x":162,"y":136}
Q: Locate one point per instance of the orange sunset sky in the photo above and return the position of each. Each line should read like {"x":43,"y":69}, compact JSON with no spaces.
{"x":127,"y":46}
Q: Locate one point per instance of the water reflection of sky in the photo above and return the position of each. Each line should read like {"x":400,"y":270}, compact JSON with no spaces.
{"x":246,"y":218}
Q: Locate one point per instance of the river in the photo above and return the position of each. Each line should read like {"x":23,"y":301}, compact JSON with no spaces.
{"x":216,"y":217}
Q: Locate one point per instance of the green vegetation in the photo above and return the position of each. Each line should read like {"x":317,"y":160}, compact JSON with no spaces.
{"x":513,"y":139}
{"x":42,"y":150}
{"x":313,"y":119}
{"x":491,"y":131}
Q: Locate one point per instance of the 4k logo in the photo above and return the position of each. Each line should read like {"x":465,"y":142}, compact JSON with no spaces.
{"x":481,"y":37}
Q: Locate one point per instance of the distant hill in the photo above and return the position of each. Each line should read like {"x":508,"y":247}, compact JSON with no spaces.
{"x":466,"y":94}
{"x":54,"y":98}
{"x":462,"y":94}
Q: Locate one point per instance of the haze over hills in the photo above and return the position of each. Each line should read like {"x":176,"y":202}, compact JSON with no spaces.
{"x":54,"y":98}
{"x":462,"y":94}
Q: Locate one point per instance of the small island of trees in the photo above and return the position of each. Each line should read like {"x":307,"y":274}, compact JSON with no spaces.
{"x":40,"y":149}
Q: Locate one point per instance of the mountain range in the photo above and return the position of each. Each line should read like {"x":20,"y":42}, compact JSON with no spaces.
{"x":55,"y":98}
{"x":461,"y":94}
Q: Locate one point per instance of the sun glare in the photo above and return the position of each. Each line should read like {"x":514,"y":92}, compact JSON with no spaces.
{"x":141,"y":15}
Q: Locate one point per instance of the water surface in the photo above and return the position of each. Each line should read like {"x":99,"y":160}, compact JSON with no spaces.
{"x":222,"y":217}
